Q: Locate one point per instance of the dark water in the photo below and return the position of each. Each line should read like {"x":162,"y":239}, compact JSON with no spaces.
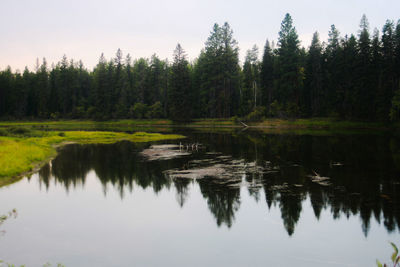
{"x":277,"y":200}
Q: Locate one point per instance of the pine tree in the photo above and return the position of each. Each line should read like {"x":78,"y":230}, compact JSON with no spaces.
{"x":140,"y":78}
{"x":334,"y":91}
{"x":7,"y":99}
{"x":201,"y":85}
{"x":290,"y":71}
{"x":119,"y":109}
{"x":376,"y":70}
{"x":395,"y":103}
{"x":346,"y":95}
{"x":220,"y":76}
{"x":388,"y":72}
{"x":314,"y":94}
{"x":397,"y":55}
{"x":364,"y":96}
{"x":43,"y":89}
{"x":267,"y":75}
{"x":179,"y":89}
{"x":250,"y":96}
{"x":99,"y":88}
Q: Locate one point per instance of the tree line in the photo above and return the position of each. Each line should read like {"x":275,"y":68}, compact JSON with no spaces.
{"x":354,"y":77}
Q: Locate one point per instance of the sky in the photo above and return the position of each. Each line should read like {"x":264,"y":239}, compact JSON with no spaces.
{"x":83,"y":29}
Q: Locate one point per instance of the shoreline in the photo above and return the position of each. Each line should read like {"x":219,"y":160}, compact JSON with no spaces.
{"x":313,"y":123}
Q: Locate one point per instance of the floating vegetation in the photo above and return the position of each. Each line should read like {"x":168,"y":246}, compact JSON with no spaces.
{"x":222,"y":170}
{"x":217,"y":171}
{"x":164,"y":152}
{"x":318,"y":179}
{"x":335,"y":164}
{"x":280,"y":187}
{"x":214,"y":153}
{"x":11,"y":214}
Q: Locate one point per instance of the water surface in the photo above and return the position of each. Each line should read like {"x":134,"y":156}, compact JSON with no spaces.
{"x":276,"y":199}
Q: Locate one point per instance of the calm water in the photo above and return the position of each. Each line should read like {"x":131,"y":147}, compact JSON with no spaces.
{"x":258,"y":200}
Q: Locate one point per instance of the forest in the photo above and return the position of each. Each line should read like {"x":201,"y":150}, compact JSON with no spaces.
{"x":350,"y":77}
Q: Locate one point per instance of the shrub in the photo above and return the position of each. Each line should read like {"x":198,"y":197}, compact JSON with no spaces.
{"x":78,"y":112}
{"x":292,"y":110}
{"x":55,"y":115}
{"x":3,"y":132}
{"x":20,"y":131}
{"x":235,"y":119}
{"x":91,"y":112}
{"x":138,"y":111}
{"x":394,"y":114}
{"x":256,"y":115}
{"x":155,"y":111}
{"x":276,"y":110}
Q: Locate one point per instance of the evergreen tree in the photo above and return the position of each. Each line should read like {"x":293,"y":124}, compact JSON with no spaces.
{"x":395,"y":107}
{"x":267,"y":75}
{"x":100,"y":85}
{"x":42,"y":83}
{"x":346,"y":93}
{"x":119,"y":109}
{"x":140,"y":78}
{"x":179,"y":88}
{"x":314,"y":94}
{"x":250,"y":96}
{"x":7,"y":99}
{"x":376,"y":70}
{"x":221,"y":78}
{"x":290,"y":80}
{"x":364,"y":96}
{"x":334,"y":92}
{"x":397,"y":55}
{"x":386,"y":91}
{"x":201,"y":85}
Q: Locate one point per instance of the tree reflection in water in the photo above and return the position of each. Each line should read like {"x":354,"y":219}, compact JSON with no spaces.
{"x":363,"y":170}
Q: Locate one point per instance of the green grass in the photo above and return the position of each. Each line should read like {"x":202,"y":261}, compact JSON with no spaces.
{"x":19,"y":155}
{"x":73,"y":125}
{"x":151,"y":125}
{"x":320,"y":123}
{"x":78,"y":123}
{"x":212,"y":122}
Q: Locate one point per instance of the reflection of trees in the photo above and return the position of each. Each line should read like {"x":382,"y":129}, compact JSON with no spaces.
{"x":182,"y":190}
{"x":223,"y":201}
{"x":117,"y":164}
{"x":367,"y":185}
{"x":290,"y":205}
{"x":285,"y":189}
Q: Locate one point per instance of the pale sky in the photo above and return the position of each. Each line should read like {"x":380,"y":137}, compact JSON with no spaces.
{"x":80,"y":29}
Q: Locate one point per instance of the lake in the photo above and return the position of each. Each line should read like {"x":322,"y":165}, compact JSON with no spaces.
{"x":235,"y":198}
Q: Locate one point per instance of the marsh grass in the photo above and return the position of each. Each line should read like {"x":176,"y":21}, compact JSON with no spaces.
{"x":19,"y":155}
{"x":213,"y":122}
{"x":329,"y":123}
{"x":126,"y":125}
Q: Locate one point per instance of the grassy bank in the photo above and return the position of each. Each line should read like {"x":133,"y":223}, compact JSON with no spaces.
{"x":23,"y":153}
{"x":320,"y":123}
{"x":127,"y":125}
{"x":298,"y":124}
{"x":76,"y":125}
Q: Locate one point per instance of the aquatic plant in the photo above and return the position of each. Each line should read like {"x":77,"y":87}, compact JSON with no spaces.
{"x":10,"y":214}
{"x":395,"y":258}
